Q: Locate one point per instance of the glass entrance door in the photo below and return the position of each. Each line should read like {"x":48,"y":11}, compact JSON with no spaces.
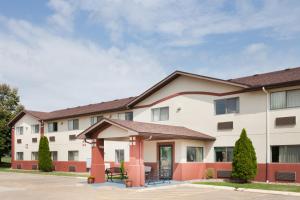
{"x":165,"y":162}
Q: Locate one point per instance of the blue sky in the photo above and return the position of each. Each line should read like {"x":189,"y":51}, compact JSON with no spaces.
{"x":63,"y":53}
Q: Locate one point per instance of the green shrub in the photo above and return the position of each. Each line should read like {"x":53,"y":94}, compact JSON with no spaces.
{"x":244,"y":165}
{"x":209,"y":173}
{"x":122,"y":169}
{"x":45,"y":162}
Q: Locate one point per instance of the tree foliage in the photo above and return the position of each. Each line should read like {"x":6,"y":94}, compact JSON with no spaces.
{"x":9,"y":107}
{"x":244,"y":159}
{"x":45,"y":161}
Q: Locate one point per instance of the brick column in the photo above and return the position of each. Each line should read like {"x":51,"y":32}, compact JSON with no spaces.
{"x":42,"y":128}
{"x":136,"y":168}
{"x":12,"y":145}
{"x":98,"y":166}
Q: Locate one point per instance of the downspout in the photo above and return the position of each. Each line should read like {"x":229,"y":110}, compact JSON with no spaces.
{"x":267,"y":133}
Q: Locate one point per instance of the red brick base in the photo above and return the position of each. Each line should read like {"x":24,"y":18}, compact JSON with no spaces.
{"x":80,"y":166}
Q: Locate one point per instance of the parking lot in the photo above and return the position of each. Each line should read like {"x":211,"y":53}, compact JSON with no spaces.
{"x":30,"y":187}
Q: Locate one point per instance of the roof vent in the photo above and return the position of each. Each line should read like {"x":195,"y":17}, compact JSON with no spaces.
{"x":255,"y":74}
{"x":287,"y":69}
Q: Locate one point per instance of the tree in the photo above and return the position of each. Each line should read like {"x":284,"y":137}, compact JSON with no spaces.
{"x":9,"y":107}
{"x":244,"y":159}
{"x":45,"y":161}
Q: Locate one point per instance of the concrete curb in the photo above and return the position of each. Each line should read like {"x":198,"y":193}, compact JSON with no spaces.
{"x":244,"y":189}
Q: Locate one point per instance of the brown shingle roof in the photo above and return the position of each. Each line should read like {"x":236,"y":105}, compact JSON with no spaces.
{"x":147,"y":129}
{"x":271,"y":78}
{"x":109,"y":106}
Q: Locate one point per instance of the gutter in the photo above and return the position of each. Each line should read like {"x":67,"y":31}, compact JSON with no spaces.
{"x":267,"y":133}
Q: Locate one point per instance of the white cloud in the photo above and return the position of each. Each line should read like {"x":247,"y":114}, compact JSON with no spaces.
{"x":187,"y":22}
{"x":55,"y":72}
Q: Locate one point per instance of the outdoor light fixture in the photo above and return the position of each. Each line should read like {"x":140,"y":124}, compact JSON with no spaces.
{"x":132,"y":140}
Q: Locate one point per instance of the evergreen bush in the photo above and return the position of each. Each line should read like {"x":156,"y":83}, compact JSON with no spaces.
{"x":244,"y":165}
{"x":45,"y":162}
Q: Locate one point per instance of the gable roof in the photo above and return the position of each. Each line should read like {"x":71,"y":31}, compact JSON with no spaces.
{"x":175,"y":75}
{"x":271,"y":78}
{"x":103,"y":107}
{"x":156,"y":131}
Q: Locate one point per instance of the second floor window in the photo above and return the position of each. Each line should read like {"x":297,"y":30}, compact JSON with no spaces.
{"x":19,"y":130}
{"x":126,"y":116}
{"x":95,"y":119}
{"x":73,"y":156}
{"x":73,"y":124}
{"x":35,"y":128}
{"x":160,"y":114}
{"x":52,"y":127}
{"x":285,"y":99}
{"x":225,"y":106}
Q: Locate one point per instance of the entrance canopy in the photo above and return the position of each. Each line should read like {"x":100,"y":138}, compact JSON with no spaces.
{"x":117,"y":129}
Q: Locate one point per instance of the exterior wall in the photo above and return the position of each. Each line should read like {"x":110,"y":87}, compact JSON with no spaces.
{"x":62,"y":143}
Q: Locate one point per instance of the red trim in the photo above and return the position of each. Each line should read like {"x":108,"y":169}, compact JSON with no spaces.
{"x":193,"y":93}
{"x":12,"y":144}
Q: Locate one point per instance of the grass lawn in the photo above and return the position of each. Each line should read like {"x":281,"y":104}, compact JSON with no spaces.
{"x":44,"y":173}
{"x":261,"y":186}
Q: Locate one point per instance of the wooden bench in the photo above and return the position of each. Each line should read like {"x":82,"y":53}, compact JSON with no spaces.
{"x":115,"y":171}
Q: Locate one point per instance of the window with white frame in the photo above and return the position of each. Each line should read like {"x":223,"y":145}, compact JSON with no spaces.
{"x":20,"y":156}
{"x":194,"y":154}
{"x":52,"y":127}
{"x":285,"y":154}
{"x":95,"y":119}
{"x":34,"y":155}
{"x":73,"y":155}
{"x":73,"y":124}
{"x":54,"y":155}
{"x":35,"y":128}
{"x":226,"y":106}
{"x":223,"y":154}
{"x":119,"y":155}
{"x":285,"y":99}
{"x":160,"y":114}
{"x":20,"y":130}
{"x":126,"y":116}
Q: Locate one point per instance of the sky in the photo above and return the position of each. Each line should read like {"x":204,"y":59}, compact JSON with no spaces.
{"x":65,"y":53}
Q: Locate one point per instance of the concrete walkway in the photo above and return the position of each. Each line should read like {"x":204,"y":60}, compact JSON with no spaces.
{"x":30,"y":187}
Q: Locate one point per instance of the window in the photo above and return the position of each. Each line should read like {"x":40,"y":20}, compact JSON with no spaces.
{"x":72,"y":137}
{"x":194,"y":154}
{"x":126,"y":116}
{"x":73,"y":124}
{"x":285,"y":99}
{"x":160,"y":114}
{"x":34,"y":155}
{"x":73,"y":155}
{"x":35,"y":128}
{"x":225,"y":106}
{"x":95,"y":119}
{"x":286,"y":154}
{"x":34,"y":140}
{"x":20,"y":155}
{"x":54,"y":155}
{"x":52,"y":127}
{"x":19,"y":130}
{"x":223,"y":154}
{"x":119,"y":155}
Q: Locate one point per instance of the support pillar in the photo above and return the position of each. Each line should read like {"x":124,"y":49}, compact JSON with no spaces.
{"x":136,"y":168}
{"x":98,"y":166}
